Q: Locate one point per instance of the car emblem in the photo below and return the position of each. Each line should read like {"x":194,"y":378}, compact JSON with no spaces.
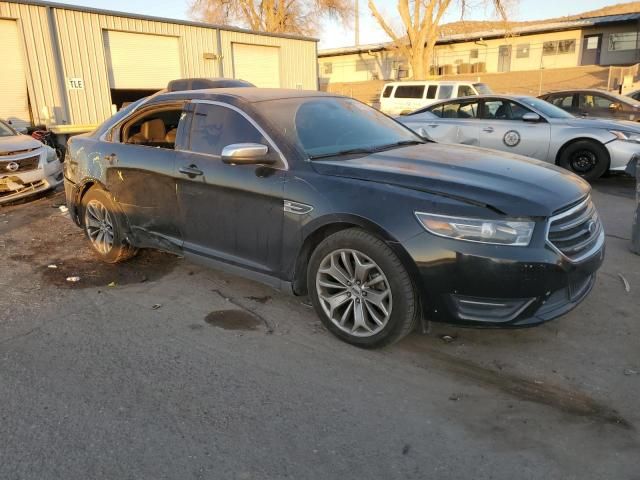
{"x":592,"y":226}
{"x":13,"y":166}
{"x":511,"y":138}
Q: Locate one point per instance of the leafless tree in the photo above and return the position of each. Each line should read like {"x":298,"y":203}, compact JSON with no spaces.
{"x":301,"y":17}
{"x":421,"y":22}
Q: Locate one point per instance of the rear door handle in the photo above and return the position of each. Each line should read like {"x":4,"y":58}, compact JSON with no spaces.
{"x":488,"y":129}
{"x":191,"y":171}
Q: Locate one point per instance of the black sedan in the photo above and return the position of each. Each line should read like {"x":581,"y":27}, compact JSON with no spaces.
{"x":322,"y":195}
{"x":595,"y":103}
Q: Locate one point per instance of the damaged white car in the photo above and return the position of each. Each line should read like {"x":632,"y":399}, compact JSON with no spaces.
{"x":27,"y":166}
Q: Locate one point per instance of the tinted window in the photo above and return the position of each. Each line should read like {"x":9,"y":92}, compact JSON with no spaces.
{"x":387,"y":91}
{"x":446,"y":91}
{"x":431,"y":91}
{"x":410,"y":91}
{"x":465,"y":91}
{"x":214,"y":127}
{"x":588,"y":101}
{"x":328,"y":125}
{"x":504,"y":110}
{"x":562,"y":101}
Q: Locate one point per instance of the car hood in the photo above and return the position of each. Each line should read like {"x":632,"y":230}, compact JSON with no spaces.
{"x":513,"y":185}
{"x":16,"y":143}
{"x":603,"y":123}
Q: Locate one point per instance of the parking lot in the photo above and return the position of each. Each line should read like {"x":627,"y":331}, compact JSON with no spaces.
{"x":158,"y":368}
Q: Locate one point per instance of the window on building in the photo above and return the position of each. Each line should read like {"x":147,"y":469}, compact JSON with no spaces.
{"x":403,"y":71}
{"x":623,"y":41}
{"x":409,"y":91}
{"x":431,"y":91}
{"x":327,"y":68}
{"x":549,"y":48}
{"x":522,"y":50}
{"x":566,"y":46}
{"x":473,"y":54}
{"x":387,"y":91}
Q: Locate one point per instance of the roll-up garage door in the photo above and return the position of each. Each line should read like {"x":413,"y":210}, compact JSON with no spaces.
{"x":257,"y":64}
{"x":139,"y":61}
{"x":14,"y":100}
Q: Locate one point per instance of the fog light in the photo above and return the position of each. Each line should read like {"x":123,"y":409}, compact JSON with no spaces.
{"x":494,"y":310}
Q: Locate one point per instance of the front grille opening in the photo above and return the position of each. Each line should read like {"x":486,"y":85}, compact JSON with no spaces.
{"x":24,"y":164}
{"x":576,"y":232}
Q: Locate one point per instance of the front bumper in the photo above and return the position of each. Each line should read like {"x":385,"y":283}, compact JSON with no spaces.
{"x":15,"y":186}
{"x":491,"y":285}
{"x":621,"y":153}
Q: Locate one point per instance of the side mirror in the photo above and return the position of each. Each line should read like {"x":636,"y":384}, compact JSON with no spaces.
{"x":246,"y":154}
{"x":531,"y":117}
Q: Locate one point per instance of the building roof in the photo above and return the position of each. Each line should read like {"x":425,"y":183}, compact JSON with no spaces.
{"x":554,"y":26}
{"x":114,"y":13}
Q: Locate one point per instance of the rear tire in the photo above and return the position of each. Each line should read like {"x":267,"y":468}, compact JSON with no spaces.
{"x":105,"y":228}
{"x":360,"y":289}
{"x":586,"y":158}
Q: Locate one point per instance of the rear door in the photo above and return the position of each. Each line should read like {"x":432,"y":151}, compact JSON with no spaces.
{"x":229,"y":213}
{"x":503,"y":129}
{"x":457,"y":123}
{"x":599,"y":106}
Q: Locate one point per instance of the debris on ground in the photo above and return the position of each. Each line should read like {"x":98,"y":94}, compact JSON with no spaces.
{"x":627,"y":287}
{"x":73,"y":279}
{"x":53,"y":265}
{"x":63,"y":208}
{"x":447,"y":338}
{"x":112,"y":284}
{"x":156,"y":306}
{"x":454,"y":397}
{"x":630,"y":371}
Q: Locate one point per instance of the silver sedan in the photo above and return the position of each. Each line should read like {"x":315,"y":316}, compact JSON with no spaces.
{"x":531,"y":127}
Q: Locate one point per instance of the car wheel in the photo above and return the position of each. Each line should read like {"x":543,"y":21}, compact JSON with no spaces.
{"x":361,"y":290}
{"x":103,"y":225}
{"x":586,"y":158}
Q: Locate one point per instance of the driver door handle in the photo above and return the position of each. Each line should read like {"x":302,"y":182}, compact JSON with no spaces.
{"x":191,"y":171}
{"x":488,"y":129}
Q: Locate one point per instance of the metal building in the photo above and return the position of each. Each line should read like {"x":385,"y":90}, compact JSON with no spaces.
{"x":71,"y":67}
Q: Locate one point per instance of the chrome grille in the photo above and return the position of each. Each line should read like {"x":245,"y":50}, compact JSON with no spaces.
{"x":24,"y":165}
{"x":577,"y":233}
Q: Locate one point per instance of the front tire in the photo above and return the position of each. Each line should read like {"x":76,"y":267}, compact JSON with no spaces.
{"x":586,"y":158}
{"x":104,"y":227}
{"x":360,"y":289}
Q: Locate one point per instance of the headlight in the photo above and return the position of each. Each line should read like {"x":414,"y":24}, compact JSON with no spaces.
{"x":52,"y":156}
{"x":498,"y":232}
{"x":626,"y":136}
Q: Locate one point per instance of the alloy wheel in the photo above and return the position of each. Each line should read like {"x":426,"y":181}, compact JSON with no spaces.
{"x":354,"y":292}
{"x":99,"y":225}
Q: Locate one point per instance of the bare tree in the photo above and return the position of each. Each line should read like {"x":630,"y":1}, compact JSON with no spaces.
{"x":301,"y":17}
{"x":421,"y":21}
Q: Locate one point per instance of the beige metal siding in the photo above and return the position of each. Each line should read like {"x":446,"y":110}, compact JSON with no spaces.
{"x":14,"y":102}
{"x":141,"y":61}
{"x":257,"y":64}
{"x":47,"y":104}
{"x":298,"y":63}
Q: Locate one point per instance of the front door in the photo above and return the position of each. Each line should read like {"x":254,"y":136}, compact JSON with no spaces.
{"x":229,"y":213}
{"x":591,"y":48}
{"x":504,"y":58}
{"x":503,"y":129}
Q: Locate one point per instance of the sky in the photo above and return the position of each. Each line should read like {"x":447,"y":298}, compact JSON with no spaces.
{"x":336,"y":35}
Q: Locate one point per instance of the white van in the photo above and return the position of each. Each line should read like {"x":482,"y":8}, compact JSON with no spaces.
{"x":398,"y":98}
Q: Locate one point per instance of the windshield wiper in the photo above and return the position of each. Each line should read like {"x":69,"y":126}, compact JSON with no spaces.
{"x":403,"y":143}
{"x":351,"y":151}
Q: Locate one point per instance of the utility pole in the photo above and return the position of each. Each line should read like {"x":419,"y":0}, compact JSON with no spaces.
{"x":357,"y":21}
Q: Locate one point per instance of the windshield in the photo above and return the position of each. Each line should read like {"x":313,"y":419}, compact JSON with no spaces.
{"x":544,"y":107}
{"x":6,"y":130}
{"x":330,"y":126}
{"x":482,"y":88}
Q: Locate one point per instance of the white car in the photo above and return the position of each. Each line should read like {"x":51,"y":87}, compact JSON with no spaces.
{"x":531,"y":127}
{"x":27,"y":166}
{"x":397,"y":98}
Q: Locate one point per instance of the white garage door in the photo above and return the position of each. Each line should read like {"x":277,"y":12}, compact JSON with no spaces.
{"x":14,"y":101}
{"x":257,"y":64}
{"x":140,"y":61}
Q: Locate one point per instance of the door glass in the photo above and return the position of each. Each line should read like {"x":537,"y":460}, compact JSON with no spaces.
{"x":387,"y":91}
{"x":562,"y":101}
{"x":214,"y":127}
{"x":445,"y":91}
{"x":504,"y":110}
{"x":591,"y":102}
{"x":409,"y":91}
{"x":465,"y":91}
{"x":157,"y":128}
{"x":431,"y":91}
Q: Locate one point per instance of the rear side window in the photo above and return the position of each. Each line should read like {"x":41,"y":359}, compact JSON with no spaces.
{"x":431,"y":91}
{"x":562,"y":101}
{"x":446,"y":91}
{"x":409,"y":91}
{"x":387,"y":91}
{"x":214,"y":127}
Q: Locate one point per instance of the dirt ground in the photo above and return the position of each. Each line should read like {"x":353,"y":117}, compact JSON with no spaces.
{"x":158,"y":368}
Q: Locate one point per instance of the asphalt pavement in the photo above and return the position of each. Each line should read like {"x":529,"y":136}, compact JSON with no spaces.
{"x":161,"y":369}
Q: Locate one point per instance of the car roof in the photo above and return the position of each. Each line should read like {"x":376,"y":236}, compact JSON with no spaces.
{"x":246,"y":94}
{"x":433,"y":82}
